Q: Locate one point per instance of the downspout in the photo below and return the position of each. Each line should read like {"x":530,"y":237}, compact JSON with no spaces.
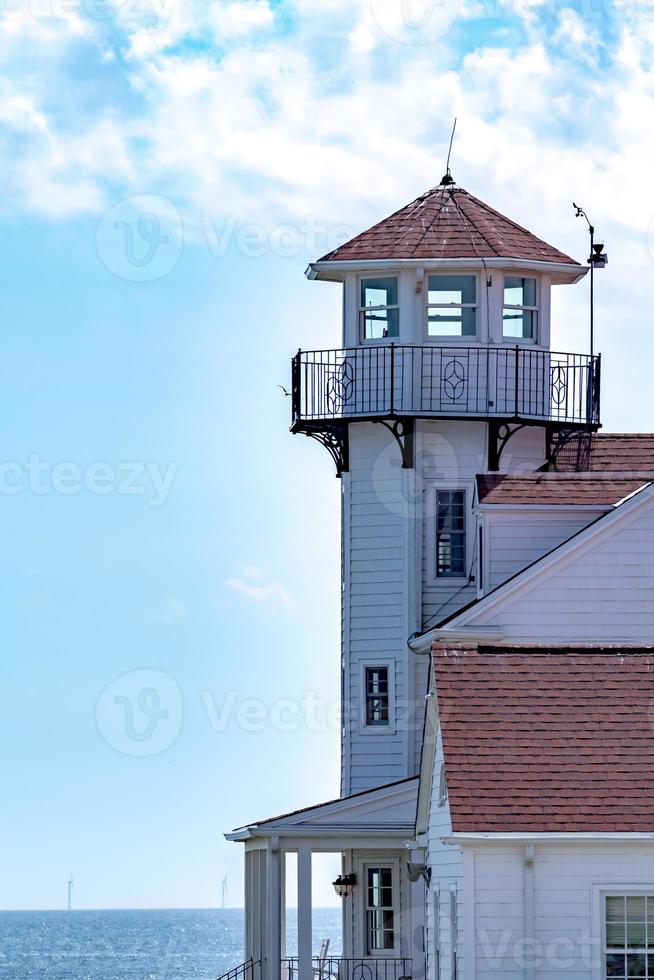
{"x":530,"y":917}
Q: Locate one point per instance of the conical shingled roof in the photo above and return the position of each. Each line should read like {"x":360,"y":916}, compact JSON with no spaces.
{"x":447,"y":223}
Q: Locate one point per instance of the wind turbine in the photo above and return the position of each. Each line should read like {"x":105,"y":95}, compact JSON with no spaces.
{"x":225,"y":892}
{"x":70,"y":894}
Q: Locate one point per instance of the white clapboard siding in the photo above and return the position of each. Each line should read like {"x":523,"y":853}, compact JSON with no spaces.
{"x":446,"y":866}
{"x":514,"y":539}
{"x":568,"y":883}
{"x":374,"y":601}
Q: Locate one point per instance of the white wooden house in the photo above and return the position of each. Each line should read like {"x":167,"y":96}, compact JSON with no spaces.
{"x":481,"y":511}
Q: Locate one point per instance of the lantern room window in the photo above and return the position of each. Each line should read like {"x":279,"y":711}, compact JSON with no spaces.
{"x":452,"y":306}
{"x":520,"y":308}
{"x":379,"y":312}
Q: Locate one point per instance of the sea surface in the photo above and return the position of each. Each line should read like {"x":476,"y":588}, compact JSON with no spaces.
{"x":136,"y":945}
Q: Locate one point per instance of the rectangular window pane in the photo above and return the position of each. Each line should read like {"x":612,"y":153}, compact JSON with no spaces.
{"x":519,"y":291}
{"x":615,"y":909}
{"x":636,"y":965}
{"x":450,"y":533}
{"x":377,"y":696}
{"x":519,"y":324}
{"x":615,"y":966}
{"x":379,"y":292}
{"x":452,"y":289}
{"x":378,"y":324}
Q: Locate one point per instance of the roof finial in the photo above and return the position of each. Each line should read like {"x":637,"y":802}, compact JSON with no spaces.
{"x":448,"y":179}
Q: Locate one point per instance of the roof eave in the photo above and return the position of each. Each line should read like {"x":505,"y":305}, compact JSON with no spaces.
{"x":335,"y":270}
{"x":548,"y":837}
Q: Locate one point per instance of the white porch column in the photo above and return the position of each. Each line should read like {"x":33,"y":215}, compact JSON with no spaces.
{"x":274,"y":910}
{"x":304,"y":923}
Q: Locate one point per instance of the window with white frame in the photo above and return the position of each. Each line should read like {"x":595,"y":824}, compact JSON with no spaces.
{"x":629,"y":936}
{"x":379,"y":310}
{"x":452,"y":306}
{"x":520,"y":308}
{"x":377,"y":697}
{"x":380,"y":919}
{"x":450,"y":533}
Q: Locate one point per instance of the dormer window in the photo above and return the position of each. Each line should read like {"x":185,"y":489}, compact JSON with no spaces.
{"x":379,"y":312}
{"x":520,"y":308}
{"x":452,"y":306}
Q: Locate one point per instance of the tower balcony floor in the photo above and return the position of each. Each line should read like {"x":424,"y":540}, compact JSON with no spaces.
{"x":499,"y":383}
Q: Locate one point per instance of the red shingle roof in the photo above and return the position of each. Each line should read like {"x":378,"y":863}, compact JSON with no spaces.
{"x":608,"y":451}
{"x":549,"y":488}
{"x":548,"y":740}
{"x":447,"y":223}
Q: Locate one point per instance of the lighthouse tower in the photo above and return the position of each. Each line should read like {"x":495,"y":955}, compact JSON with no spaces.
{"x":445,"y":373}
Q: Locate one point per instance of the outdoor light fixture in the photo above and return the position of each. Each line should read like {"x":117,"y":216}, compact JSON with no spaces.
{"x":345,"y":884}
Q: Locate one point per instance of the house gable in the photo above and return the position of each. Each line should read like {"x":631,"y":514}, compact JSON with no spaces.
{"x":597,"y":586}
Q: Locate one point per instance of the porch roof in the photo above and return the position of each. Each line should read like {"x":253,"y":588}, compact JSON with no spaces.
{"x":385,"y":811}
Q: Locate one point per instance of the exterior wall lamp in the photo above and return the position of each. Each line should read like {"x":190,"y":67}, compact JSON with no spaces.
{"x":345,"y":885}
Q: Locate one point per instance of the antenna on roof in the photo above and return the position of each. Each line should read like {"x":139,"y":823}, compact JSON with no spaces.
{"x":448,"y":179}
{"x":598,"y":259}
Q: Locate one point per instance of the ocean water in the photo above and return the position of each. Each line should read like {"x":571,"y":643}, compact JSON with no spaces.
{"x":135,"y":945}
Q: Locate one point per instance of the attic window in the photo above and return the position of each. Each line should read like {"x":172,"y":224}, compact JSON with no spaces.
{"x":520,"y":308}
{"x":379,"y":311}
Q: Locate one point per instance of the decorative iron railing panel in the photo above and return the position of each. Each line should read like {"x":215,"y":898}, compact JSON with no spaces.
{"x":341,"y":968}
{"x":502,"y":382}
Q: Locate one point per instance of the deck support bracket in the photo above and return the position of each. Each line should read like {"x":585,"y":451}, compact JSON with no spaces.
{"x":499,"y":434}
{"x":557,"y":440}
{"x":334,"y":436}
{"x":403,"y":431}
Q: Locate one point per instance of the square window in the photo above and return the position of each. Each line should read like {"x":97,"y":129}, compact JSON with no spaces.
{"x":379,"y":310}
{"x":452,"y":306}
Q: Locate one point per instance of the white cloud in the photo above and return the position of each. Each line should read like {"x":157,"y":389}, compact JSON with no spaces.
{"x":269,"y":595}
{"x":171,"y":612}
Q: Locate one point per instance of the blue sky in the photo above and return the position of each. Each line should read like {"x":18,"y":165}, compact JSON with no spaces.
{"x":161,"y":528}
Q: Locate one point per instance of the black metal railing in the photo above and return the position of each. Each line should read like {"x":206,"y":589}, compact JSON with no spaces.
{"x":446,"y":382}
{"x":357,"y":968}
{"x":250,"y":970}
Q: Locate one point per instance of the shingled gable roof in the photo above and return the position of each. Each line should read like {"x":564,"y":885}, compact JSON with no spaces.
{"x":568,"y":550}
{"x":448,"y":223}
{"x":551,"y":489}
{"x":547,"y":739}
{"x":615,"y":452}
